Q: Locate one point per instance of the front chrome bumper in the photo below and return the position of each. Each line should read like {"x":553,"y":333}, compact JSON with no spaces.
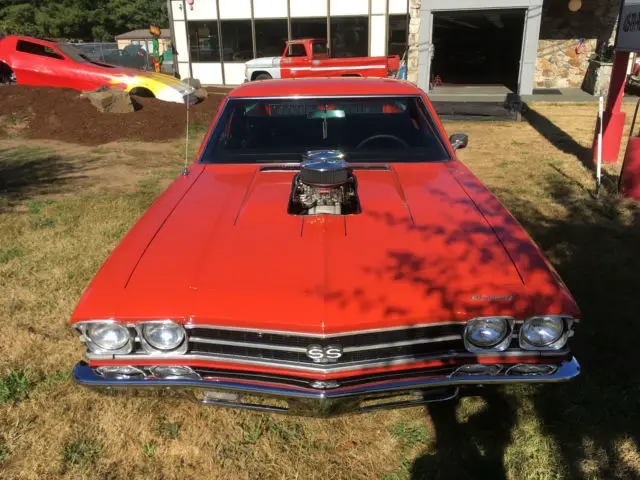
{"x":403,"y":392}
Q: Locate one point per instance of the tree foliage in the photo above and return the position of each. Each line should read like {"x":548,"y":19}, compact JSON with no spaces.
{"x":79,"y":19}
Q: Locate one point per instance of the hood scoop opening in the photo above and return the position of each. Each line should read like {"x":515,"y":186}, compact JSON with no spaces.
{"x":325,"y":184}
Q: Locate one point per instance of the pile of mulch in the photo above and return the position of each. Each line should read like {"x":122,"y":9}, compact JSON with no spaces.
{"x":62,"y":114}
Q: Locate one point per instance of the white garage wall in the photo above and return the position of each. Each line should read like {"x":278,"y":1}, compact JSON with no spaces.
{"x":378,"y":6}
{"x":309,"y":8}
{"x":183,"y":70}
{"x":378,"y":27}
{"x":233,"y":73}
{"x":176,"y":10}
{"x":350,"y":7}
{"x":180,"y":34}
{"x":202,"y":10}
{"x":269,"y":8}
{"x":207,"y":73}
{"x":234,"y":8}
{"x":399,"y":6}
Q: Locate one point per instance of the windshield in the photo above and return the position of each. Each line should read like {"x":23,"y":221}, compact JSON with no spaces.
{"x":366,"y":129}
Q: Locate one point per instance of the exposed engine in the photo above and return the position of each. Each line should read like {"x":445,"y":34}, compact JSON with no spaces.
{"x":325,"y":184}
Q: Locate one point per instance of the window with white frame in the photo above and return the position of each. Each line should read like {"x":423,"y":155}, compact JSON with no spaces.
{"x":349,"y":36}
{"x":397,"y":37}
{"x":271,"y":36}
{"x":237,"y":45}
{"x":203,"y":41}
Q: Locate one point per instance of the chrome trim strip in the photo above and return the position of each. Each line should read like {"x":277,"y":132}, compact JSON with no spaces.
{"x":378,"y":346}
{"x":264,"y":346}
{"x":325,"y":368}
{"x":314,"y":97}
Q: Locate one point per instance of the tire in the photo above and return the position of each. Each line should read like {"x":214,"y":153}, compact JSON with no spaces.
{"x":7,"y":76}
{"x":263,"y":76}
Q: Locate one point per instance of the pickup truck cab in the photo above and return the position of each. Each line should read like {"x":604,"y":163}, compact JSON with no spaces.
{"x":310,"y":58}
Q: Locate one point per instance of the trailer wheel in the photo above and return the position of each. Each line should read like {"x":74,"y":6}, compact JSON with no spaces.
{"x":263,"y":76}
{"x":7,"y":77}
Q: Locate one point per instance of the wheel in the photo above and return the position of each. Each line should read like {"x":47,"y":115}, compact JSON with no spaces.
{"x":7,"y":77}
{"x":142,"y":92}
{"x":263,"y":76}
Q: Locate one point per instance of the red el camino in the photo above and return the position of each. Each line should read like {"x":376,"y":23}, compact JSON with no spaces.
{"x":326,"y":253}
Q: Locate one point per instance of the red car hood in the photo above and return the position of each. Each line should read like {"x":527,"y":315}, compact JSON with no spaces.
{"x":419,"y":252}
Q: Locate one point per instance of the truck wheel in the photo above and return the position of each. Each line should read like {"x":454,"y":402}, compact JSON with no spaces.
{"x":263,"y":76}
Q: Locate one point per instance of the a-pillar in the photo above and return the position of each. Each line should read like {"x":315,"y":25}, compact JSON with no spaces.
{"x":613,"y":122}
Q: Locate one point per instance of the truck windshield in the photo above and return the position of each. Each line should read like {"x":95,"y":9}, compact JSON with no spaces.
{"x":367,"y":129}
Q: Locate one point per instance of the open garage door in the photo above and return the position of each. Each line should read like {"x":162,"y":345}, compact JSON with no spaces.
{"x":478,"y":47}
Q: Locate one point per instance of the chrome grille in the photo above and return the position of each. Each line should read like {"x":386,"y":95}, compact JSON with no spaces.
{"x":380,"y":345}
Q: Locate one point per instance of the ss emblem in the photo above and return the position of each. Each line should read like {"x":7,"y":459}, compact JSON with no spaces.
{"x":328,"y":354}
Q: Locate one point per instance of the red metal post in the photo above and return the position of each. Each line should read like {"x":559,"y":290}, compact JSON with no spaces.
{"x":613,"y":116}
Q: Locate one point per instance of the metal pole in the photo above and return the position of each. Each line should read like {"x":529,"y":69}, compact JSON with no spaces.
{"x":173,"y":37}
{"x":224,"y":81}
{"x":253,"y":32}
{"x":186,"y":29}
{"x":599,"y":160}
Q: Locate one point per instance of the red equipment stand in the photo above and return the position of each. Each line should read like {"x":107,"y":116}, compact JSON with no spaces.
{"x":613,"y":122}
{"x":629,"y":185}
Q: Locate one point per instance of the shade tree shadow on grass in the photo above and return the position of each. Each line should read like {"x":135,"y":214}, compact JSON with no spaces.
{"x":594,"y":247}
{"x":26,"y":172}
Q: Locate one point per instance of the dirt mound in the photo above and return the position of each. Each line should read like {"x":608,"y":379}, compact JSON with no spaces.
{"x":62,"y":114}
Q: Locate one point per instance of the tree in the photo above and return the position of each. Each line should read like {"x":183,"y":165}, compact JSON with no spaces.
{"x":79,"y":19}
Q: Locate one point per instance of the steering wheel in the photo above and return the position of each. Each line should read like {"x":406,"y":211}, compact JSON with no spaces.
{"x":383,"y":136}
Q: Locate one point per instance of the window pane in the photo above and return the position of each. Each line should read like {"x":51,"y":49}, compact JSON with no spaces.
{"x":203,"y":39}
{"x":349,"y":37}
{"x":308,"y":28}
{"x":236,"y":40}
{"x":397,"y":35}
{"x":296,"y":50}
{"x":37,"y":49}
{"x":271,"y":37}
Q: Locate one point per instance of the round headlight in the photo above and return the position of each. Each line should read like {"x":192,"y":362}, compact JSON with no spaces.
{"x":542,"y":331}
{"x":108,"y":336}
{"x":163,"y":336}
{"x":486,"y":332}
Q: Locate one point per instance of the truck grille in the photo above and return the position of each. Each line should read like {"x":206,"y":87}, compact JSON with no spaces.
{"x":383,"y":345}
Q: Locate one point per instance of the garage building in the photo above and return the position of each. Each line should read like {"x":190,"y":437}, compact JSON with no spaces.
{"x":520,"y":45}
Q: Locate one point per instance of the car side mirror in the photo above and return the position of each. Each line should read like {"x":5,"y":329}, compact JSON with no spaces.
{"x":459,"y":140}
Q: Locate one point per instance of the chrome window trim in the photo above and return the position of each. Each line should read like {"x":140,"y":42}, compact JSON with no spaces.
{"x":432,"y":120}
{"x":327,"y":368}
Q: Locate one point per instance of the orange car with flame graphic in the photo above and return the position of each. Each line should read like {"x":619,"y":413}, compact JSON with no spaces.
{"x":30,"y":61}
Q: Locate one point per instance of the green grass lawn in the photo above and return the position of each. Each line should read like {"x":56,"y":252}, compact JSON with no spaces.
{"x":63,"y":208}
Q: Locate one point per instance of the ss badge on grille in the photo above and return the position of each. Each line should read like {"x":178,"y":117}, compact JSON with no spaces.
{"x":328,"y":354}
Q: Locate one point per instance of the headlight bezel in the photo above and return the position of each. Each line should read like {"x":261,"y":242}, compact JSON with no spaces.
{"x":94,"y":347}
{"x":151,"y":349}
{"x":558,"y":344}
{"x":500,"y":346}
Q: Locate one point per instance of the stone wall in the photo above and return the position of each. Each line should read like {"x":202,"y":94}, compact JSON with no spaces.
{"x":559,"y":65}
{"x":414,"y":30}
